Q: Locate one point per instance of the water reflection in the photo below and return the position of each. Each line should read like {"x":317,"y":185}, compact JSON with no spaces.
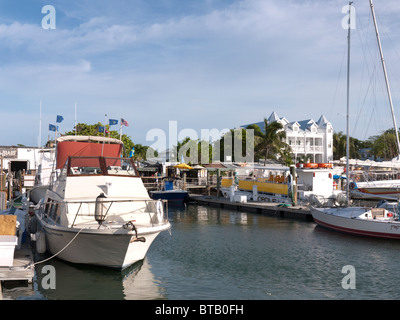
{"x":208,"y":215}
{"x":77,"y":282}
{"x":215,"y":253}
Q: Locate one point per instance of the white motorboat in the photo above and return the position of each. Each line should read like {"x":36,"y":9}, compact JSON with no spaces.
{"x":372,"y":222}
{"x":98,"y":211}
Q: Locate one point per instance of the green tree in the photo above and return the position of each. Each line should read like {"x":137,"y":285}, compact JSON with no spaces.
{"x":270,"y":143}
{"x":340,"y":143}
{"x":384,"y":145}
{"x":225,"y":146}
{"x":195,"y":151}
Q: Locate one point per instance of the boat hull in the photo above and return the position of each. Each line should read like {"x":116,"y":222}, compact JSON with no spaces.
{"x":388,"y":193}
{"x":354,"y":225}
{"x":112,"y":249}
{"x":172,"y":195}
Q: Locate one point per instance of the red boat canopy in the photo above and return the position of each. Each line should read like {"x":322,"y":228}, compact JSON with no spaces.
{"x":86,"y":149}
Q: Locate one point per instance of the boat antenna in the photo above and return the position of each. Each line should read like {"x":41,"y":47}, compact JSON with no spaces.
{"x":386,"y":80}
{"x":348,"y":106}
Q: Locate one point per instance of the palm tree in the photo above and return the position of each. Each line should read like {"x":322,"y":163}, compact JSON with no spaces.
{"x":271,"y":142}
{"x":339,"y":145}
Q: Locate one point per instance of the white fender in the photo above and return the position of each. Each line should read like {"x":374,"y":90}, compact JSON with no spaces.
{"x":40,"y":237}
{"x":160,"y":211}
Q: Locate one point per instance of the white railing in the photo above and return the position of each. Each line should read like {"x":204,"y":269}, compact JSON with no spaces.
{"x":86,"y":209}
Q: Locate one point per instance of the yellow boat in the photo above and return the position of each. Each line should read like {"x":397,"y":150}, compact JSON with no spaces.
{"x":265,"y":186}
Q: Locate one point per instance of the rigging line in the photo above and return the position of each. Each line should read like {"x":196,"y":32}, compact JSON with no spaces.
{"x":363,"y":33}
{"x":386,"y":79}
{"x":337,"y":82}
{"x":364,"y":100}
{"x":393,"y":75}
{"x":369,"y":124}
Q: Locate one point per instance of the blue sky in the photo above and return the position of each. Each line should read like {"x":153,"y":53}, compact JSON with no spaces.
{"x":203,"y":63}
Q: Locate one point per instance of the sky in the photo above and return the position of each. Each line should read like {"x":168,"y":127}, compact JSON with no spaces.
{"x":202,"y":64}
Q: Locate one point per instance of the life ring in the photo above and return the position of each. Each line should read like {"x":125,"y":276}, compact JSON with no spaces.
{"x":311,"y":165}
{"x":325,"y":165}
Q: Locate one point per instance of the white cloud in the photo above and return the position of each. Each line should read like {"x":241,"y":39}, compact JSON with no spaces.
{"x":228,"y":65}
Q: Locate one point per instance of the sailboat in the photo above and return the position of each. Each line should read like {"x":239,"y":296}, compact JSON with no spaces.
{"x":374,"y":222}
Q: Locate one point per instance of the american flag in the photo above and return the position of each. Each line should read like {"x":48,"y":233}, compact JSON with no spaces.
{"x":124,"y":122}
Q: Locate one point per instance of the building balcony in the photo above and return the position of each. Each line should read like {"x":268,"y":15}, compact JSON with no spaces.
{"x":307,"y":149}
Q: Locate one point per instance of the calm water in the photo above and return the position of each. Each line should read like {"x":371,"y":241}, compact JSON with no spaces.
{"x":218,"y":254}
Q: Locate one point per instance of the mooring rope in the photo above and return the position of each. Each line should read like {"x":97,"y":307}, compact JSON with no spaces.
{"x":53,"y":256}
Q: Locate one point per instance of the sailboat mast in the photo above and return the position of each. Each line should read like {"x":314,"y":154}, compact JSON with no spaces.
{"x":348,"y":107}
{"x":386,"y":79}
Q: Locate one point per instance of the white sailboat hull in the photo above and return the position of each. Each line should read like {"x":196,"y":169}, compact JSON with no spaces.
{"x":346,"y":220}
{"x":107,"y":248}
{"x":389,"y":193}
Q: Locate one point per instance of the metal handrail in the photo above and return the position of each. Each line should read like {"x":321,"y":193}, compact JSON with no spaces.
{"x":111,"y":202}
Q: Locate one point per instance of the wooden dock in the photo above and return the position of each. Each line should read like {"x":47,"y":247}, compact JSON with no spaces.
{"x":267,"y":208}
{"x":22,"y":269}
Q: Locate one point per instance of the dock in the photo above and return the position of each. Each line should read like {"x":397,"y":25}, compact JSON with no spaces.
{"x":21,"y":270}
{"x":268,"y":208}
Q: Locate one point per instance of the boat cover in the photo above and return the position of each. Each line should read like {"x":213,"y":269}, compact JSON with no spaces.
{"x":85,"y":149}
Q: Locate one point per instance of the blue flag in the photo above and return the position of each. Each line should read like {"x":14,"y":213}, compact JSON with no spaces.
{"x":52,"y":127}
{"x":60,"y":119}
{"x":101,"y":129}
{"x":113,"y":122}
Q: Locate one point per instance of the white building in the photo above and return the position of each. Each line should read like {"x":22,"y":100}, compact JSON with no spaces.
{"x":21,"y":164}
{"x":308,"y":139}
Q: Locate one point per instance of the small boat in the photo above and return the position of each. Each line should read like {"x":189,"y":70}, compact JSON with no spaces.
{"x":170,"y":194}
{"x":386,"y":189}
{"x":98,"y":211}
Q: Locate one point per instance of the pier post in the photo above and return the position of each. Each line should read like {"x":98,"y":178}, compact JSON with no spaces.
{"x":294,"y":184}
{"x":218,"y":183}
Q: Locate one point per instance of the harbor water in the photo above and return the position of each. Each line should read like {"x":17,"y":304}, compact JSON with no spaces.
{"x":219,"y":254}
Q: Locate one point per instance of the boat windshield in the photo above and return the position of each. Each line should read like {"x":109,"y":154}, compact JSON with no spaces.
{"x":101,"y":166}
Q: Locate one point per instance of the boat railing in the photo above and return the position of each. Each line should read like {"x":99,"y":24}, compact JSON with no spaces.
{"x":157,"y":210}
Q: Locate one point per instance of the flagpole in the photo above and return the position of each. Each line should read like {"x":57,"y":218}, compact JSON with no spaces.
{"x":55,"y":137}
{"x":104,"y":133}
{"x":75,"y":121}
{"x":40,"y":126}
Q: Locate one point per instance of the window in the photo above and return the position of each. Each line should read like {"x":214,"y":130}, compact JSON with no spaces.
{"x":102,"y":166}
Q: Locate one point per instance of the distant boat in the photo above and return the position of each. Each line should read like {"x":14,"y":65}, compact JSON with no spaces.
{"x":170,"y":194}
{"x":387,"y":189}
{"x":376,"y":184}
